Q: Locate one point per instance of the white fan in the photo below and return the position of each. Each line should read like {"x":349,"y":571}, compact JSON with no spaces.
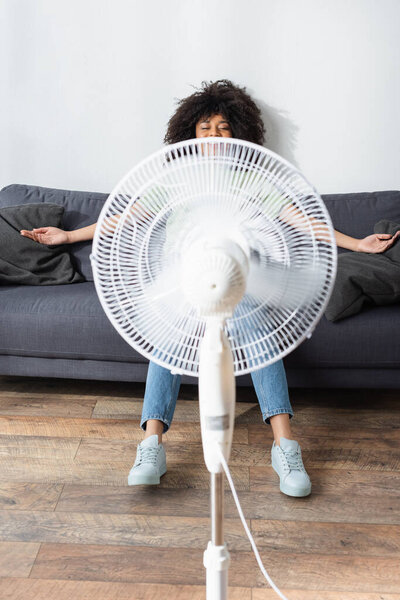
{"x":214,"y":257}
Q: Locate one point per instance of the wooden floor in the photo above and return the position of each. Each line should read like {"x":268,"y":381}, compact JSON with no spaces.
{"x":71,"y":528}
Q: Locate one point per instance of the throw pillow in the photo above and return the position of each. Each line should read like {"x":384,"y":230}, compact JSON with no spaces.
{"x":25,"y":262}
{"x":366,"y":279}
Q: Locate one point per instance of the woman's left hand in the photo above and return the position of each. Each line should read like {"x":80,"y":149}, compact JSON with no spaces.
{"x":377,"y":242}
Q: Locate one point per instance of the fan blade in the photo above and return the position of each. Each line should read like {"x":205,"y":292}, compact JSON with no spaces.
{"x":279,"y":285}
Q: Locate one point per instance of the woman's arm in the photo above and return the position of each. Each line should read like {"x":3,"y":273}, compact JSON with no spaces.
{"x":52,"y":236}
{"x":375,"y":243}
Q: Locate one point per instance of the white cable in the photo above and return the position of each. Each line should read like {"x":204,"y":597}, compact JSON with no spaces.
{"x":246,"y":528}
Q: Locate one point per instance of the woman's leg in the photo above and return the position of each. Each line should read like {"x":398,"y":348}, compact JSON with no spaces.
{"x":160,"y":397}
{"x":281,"y":427}
{"x":273,"y":396}
{"x":162,"y":389}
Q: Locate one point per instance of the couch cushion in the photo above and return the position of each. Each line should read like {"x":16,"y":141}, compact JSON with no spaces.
{"x":81,"y":209}
{"x":69,"y":322}
{"x":65,"y":321}
{"x":366,"y":340}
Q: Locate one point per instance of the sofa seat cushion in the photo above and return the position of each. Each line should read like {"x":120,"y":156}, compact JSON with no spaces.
{"x":65,"y":321}
{"x":366,"y":340}
{"x":68,"y":322}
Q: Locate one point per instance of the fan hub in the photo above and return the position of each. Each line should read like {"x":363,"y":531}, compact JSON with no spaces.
{"x":214,"y":277}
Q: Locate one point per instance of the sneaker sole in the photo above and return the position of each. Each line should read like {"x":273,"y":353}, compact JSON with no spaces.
{"x":145,"y":479}
{"x":300,"y":493}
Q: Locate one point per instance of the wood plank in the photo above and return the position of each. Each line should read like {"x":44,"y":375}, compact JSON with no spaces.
{"x":197,"y":477}
{"x":338,"y":417}
{"x":29,"y":496}
{"x":69,"y":428}
{"x":152,"y":565}
{"x":60,"y":471}
{"x":327,"y":538}
{"x":119,"y":429}
{"x":136,"y":500}
{"x":337,"y":508}
{"x":313,"y":437}
{"x":55,"y":470}
{"x":331,"y":431}
{"x":268,"y":594}
{"x":46,"y":589}
{"x":373,"y":484}
{"x":120,"y":563}
{"x":37,"y":404}
{"x":16,"y":558}
{"x":117,"y":530}
{"x":113,"y":450}
{"x":249,"y":412}
{"x":28,"y":446}
{"x":357,"y":459}
{"x":107,"y":408}
{"x":187,"y":532}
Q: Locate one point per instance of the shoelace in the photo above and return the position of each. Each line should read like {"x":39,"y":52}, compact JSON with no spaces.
{"x":148,"y":455}
{"x":293,"y":460}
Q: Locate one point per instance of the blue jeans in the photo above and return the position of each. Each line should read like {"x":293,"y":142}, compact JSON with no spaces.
{"x":162,"y":389}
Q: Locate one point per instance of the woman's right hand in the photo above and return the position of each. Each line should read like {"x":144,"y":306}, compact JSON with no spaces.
{"x":50,"y":236}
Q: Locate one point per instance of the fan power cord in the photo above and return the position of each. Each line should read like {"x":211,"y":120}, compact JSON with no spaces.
{"x":246,"y":528}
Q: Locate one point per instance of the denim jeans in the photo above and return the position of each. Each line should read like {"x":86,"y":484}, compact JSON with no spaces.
{"x":162,"y":389}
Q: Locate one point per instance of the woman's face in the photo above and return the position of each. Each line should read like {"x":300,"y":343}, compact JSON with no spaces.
{"x":213,"y":126}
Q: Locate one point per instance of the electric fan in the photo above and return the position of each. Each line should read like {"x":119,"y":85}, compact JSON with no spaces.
{"x":214,"y":257}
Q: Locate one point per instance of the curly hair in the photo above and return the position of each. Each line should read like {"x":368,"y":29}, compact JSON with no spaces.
{"x":218,"y":97}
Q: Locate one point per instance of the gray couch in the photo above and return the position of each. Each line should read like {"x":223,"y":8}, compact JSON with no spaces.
{"x":62,"y":331}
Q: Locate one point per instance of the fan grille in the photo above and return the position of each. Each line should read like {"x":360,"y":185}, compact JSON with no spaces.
{"x":220,"y":187}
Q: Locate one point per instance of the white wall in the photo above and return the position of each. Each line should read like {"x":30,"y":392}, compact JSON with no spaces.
{"x":87,"y":86}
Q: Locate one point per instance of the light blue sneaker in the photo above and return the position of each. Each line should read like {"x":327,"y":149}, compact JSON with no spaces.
{"x":150,"y":463}
{"x":287,"y":462}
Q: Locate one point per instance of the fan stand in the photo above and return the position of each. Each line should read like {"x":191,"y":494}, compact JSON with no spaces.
{"x":217,"y":396}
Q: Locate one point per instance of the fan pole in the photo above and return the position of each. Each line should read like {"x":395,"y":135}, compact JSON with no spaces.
{"x":217,"y":508}
{"x":216,"y":557}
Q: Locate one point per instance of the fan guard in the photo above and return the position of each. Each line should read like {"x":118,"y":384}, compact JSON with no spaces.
{"x":214,"y":188}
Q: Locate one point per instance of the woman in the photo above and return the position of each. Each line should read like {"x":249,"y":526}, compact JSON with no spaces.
{"x":219,"y":109}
